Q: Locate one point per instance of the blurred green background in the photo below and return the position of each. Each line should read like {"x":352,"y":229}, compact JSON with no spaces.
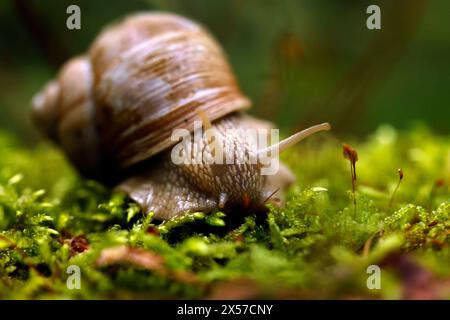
{"x":299,"y":61}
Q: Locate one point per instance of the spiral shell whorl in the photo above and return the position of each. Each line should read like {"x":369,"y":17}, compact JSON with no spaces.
{"x":158,"y":83}
{"x":45,"y":109}
{"x":65,"y":111}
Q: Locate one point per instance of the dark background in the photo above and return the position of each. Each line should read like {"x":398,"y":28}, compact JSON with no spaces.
{"x":299,"y":61}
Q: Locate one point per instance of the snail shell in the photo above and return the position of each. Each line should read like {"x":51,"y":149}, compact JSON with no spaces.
{"x":141,"y":79}
{"x":114,"y":109}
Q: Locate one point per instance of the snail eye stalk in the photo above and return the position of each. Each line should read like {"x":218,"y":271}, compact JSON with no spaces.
{"x":285,"y":144}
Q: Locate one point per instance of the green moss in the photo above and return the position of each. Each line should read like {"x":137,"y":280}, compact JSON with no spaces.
{"x":316,"y":246}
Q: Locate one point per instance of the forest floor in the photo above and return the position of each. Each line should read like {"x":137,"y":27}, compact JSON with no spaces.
{"x":63,"y":237}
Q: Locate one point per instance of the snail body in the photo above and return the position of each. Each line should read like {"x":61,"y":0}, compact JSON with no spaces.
{"x":114,"y":109}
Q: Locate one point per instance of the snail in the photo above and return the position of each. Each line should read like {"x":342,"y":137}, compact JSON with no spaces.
{"x":113,"y":111}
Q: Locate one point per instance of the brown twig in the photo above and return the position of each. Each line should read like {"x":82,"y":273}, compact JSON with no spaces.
{"x":348,"y":100}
